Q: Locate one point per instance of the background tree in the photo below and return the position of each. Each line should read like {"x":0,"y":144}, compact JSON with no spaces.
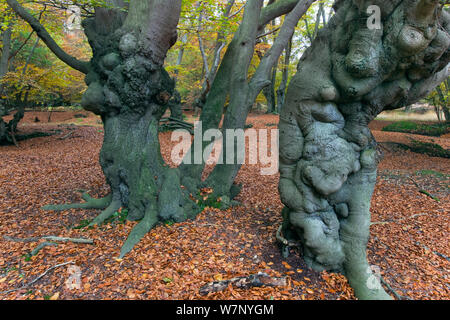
{"x":328,"y":157}
{"x":440,"y":99}
{"x":30,"y":73}
{"x":234,"y":84}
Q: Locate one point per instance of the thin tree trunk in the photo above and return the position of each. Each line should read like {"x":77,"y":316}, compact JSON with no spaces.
{"x":269,"y":91}
{"x":281,"y":92}
{"x":210,"y":72}
{"x":6,"y":51}
{"x":444,"y":104}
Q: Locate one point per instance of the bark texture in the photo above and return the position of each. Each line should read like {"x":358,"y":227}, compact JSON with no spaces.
{"x":328,"y":158}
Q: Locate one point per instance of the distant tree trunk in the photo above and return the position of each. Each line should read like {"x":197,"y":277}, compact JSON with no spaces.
{"x":269,"y":91}
{"x":281,"y":92}
{"x":243,"y":93}
{"x":210,"y":72}
{"x":4,"y":59}
{"x":175,"y":107}
{"x":6,"y":50}
{"x":231,"y":82}
{"x":269,"y":94}
{"x":328,"y":159}
{"x":21,"y":103}
{"x":444,"y":103}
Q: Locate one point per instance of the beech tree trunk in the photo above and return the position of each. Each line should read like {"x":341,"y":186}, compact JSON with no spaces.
{"x":130,"y":89}
{"x":328,"y":159}
{"x":281,"y":91}
{"x":6,"y":51}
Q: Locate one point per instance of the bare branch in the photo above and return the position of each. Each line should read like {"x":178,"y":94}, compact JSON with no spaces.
{"x":81,"y":66}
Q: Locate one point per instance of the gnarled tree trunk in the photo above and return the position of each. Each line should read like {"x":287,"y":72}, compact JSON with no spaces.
{"x":130,"y":89}
{"x":328,"y":158}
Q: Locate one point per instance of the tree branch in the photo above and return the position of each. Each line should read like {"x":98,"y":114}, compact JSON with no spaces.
{"x":262,"y":74}
{"x":82,"y":66}
{"x":275,"y":10}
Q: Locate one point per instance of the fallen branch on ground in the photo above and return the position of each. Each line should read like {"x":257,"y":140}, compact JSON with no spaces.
{"x":435,"y":252}
{"x":398,"y":220}
{"x":51,"y":241}
{"x":38,"y":278}
{"x":51,"y":238}
{"x":425,"y":192}
{"x":255,"y":280}
{"x":66,"y":136}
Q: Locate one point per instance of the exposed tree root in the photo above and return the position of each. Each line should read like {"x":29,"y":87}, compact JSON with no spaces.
{"x":443,"y":256}
{"x":67,"y":136}
{"x":91,"y":203}
{"x":41,"y":246}
{"x":399,"y":297}
{"x":13,"y":138}
{"x":285,"y":243}
{"x":398,"y":220}
{"x":107,"y":213}
{"x":139,"y":231}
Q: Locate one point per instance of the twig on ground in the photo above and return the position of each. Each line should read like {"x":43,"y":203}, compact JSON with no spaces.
{"x":51,"y":238}
{"x":425,"y":192}
{"x":255,"y":280}
{"x":399,"y":297}
{"x":38,"y":278}
{"x":398,"y":220}
{"x":435,"y":252}
{"x":50,"y":242}
{"x":67,"y":136}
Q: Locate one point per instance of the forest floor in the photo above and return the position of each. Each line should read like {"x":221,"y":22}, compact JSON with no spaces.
{"x":409,"y":238}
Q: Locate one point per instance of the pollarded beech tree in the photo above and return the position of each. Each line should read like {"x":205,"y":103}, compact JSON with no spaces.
{"x":129,"y":88}
{"x":354,"y":70}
